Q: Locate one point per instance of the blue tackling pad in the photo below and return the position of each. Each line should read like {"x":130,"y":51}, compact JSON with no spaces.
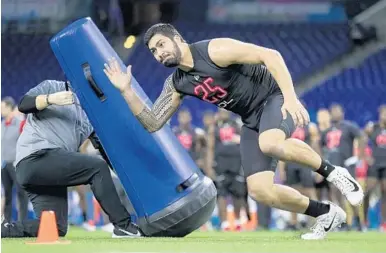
{"x":168,"y":192}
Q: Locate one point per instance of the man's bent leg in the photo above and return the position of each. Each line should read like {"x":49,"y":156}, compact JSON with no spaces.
{"x":259,"y":170}
{"x":43,"y":199}
{"x":51,"y":199}
{"x":71,"y":169}
{"x":262,"y":188}
{"x":273,"y":141}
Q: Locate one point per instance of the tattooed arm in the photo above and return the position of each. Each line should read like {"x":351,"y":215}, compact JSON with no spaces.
{"x":164,"y":107}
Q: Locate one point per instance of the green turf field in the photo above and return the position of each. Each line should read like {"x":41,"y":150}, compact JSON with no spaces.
{"x":206,"y":242}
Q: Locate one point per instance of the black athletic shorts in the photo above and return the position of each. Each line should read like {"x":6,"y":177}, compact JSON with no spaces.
{"x":231,"y":184}
{"x":299,"y":175}
{"x":269,"y":117}
{"x":228,"y":164}
{"x":378,"y":172}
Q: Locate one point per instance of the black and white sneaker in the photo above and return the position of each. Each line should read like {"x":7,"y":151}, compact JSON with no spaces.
{"x":347,"y":185}
{"x":6,"y":228}
{"x":131,"y":231}
{"x":326,"y":223}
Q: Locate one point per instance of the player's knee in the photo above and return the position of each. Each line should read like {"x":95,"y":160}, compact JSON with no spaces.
{"x":267,"y":148}
{"x":262,"y":195}
{"x":270,"y":142}
{"x":100,"y":165}
{"x":261,"y":189}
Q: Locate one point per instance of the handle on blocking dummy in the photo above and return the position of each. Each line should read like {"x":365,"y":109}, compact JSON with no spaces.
{"x":97,"y":90}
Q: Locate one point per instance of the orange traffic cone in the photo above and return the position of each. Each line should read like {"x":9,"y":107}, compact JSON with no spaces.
{"x":48,"y":230}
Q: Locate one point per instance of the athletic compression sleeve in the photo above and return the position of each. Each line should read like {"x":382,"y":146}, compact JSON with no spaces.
{"x":163,"y":108}
{"x":28,"y":104}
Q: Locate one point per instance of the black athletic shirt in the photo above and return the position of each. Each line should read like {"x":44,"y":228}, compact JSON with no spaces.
{"x":227,"y":153}
{"x":378,"y":144}
{"x":224,"y":133}
{"x":339,"y":139}
{"x":240,"y":88}
{"x":187,"y":138}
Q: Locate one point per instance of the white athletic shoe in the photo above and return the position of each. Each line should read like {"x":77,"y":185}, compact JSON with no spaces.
{"x":88,"y":227}
{"x":108,"y":228}
{"x":347,"y":185}
{"x":326,"y":223}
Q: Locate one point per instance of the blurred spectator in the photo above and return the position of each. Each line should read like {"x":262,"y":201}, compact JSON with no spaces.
{"x":186,"y":134}
{"x":321,"y":184}
{"x":109,"y":16}
{"x":11,"y":128}
{"x":339,"y":141}
{"x":377,"y":172}
{"x":224,"y":142}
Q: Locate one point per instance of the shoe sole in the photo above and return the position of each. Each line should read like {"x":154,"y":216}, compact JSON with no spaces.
{"x":124,"y":236}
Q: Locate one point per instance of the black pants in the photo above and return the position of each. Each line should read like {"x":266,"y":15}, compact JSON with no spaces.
{"x":8,"y":178}
{"x":46,"y":174}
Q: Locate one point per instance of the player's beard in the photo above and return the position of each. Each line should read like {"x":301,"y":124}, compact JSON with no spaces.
{"x":175,"y":58}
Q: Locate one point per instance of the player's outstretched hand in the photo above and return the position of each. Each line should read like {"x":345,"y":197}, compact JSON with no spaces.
{"x":297,"y":111}
{"x":121,"y":80}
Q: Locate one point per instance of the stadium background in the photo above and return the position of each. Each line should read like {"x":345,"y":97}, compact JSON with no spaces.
{"x":335,"y":50}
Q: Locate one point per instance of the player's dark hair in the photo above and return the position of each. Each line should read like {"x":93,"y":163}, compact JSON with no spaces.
{"x":9,"y":101}
{"x":167,"y":30}
{"x":184,"y":110}
{"x":334,"y":105}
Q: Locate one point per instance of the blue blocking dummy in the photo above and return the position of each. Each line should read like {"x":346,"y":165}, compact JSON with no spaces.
{"x":166,"y":189}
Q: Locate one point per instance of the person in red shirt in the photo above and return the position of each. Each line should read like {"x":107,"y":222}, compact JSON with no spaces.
{"x":359,"y":168}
